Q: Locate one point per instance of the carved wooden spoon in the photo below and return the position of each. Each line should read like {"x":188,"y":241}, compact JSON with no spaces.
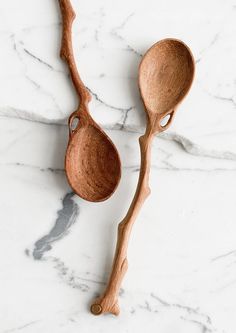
{"x":92,"y":163}
{"x":165,"y":77}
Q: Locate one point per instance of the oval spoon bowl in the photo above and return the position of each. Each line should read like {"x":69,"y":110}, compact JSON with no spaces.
{"x":92,"y":164}
{"x":165,"y":75}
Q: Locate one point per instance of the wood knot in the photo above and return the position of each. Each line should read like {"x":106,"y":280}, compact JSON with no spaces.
{"x":96,"y":309}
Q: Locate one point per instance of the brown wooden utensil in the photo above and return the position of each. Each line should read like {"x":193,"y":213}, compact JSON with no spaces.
{"x":92,"y":163}
{"x":165,"y":76}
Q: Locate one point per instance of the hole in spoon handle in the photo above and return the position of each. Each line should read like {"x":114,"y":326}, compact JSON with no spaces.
{"x":73,"y":122}
{"x":166,"y":120}
{"x":79,"y":118}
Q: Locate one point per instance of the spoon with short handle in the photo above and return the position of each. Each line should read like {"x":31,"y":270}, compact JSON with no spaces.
{"x":165,"y":76}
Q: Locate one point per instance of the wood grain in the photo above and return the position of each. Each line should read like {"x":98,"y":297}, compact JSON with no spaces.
{"x":92,"y":162}
{"x":165,"y":76}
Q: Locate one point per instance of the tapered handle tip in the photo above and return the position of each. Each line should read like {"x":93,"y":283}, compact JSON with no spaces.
{"x":105,"y":305}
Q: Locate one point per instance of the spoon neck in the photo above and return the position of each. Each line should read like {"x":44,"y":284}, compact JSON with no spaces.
{"x":68,"y":16}
{"x":157,"y":123}
{"x":150,"y":128}
{"x":83,"y":113}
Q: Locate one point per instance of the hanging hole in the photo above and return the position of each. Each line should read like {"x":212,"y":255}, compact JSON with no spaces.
{"x":74,"y":123}
{"x":165,"y":120}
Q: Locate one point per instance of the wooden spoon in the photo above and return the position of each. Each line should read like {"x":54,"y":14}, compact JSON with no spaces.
{"x":165,"y":77}
{"x":92,"y":163}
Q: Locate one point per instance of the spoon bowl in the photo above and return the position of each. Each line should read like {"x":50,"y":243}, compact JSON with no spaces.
{"x":165,"y":76}
{"x":92,"y":164}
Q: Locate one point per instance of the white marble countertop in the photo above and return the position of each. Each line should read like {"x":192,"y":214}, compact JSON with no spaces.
{"x":56,"y":249}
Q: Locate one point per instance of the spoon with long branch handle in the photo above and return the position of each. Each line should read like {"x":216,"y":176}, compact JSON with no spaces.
{"x":165,"y":76}
{"x":92,"y":163}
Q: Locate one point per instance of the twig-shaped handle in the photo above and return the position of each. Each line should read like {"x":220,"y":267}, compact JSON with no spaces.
{"x":66,"y":53}
{"x":109,"y":301}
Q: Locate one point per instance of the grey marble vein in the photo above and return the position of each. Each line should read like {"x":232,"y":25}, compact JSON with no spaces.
{"x":146,"y":307}
{"x":70,"y":277}
{"x":195,"y":149}
{"x":186,"y":144}
{"x":115,"y":33}
{"x":18,"y":47}
{"x":203,"y":320}
{"x":37,"y":58}
{"x":170,"y":167}
{"x":65,"y":219}
{"x":106,"y":104}
{"x":9,"y":111}
{"x":125,"y":118}
{"x":100,"y":25}
{"x":228,"y":99}
{"x":202,"y":326}
{"x":24,"y":165}
{"x":224,"y":255}
{"x":41,"y":61}
{"x":212,"y":42}
{"x":21,"y":327}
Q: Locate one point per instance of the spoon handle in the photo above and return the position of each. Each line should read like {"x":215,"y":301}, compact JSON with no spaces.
{"x":109,"y":301}
{"x":66,"y":53}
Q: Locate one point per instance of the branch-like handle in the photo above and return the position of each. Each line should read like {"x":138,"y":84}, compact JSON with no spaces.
{"x":109,"y":301}
{"x":66,"y":53}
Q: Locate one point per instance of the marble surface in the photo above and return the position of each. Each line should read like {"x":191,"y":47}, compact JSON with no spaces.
{"x":56,"y":249}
